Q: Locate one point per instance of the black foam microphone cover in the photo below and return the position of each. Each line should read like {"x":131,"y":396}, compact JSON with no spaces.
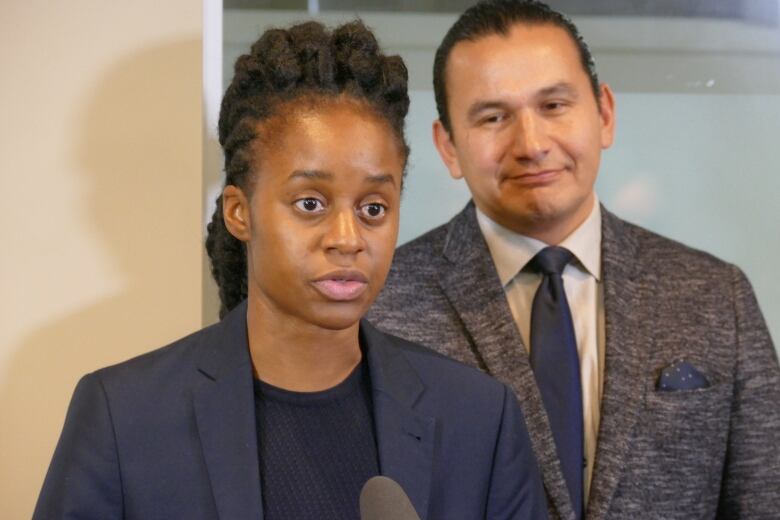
{"x":383,"y":498}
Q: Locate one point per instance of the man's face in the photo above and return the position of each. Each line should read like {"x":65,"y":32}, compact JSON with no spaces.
{"x":527,"y":132}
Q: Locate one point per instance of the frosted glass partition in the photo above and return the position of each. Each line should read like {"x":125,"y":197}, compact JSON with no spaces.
{"x":698,"y":129}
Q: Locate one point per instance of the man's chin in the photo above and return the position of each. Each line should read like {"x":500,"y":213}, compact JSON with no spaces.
{"x":535,"y":218}
{"x":537,"y":211}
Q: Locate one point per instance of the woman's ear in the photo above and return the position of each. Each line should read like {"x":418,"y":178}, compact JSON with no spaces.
{"x":235,"y":213}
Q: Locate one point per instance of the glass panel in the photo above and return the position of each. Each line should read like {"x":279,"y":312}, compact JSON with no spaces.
{"x":758,"y":11}
{"x":698,"y":104}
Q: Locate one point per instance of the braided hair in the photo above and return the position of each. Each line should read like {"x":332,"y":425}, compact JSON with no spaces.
{"x":307,"y":63}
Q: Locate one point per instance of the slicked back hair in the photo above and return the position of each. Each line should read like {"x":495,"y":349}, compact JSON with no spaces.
{"x":489,"y":17}
{"x":304,"y":63}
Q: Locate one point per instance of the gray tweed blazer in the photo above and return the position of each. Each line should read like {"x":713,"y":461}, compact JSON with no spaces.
{"x":705,"y":453}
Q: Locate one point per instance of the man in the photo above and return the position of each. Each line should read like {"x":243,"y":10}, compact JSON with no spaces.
{"x":649,"y":361}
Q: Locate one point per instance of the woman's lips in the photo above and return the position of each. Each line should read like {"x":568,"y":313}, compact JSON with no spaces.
{"x":342,"y":287}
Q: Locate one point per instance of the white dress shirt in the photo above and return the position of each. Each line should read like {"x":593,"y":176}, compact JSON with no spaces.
{"x":511,"y":253}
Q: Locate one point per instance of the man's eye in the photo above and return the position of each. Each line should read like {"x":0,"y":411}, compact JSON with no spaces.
{"x":309,"y":205}
{"x":373,"y":210}
{"x":493,"y":118}
{"x":554,"y":106}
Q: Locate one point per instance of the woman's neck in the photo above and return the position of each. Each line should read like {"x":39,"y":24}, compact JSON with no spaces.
{"x":295,"y":355}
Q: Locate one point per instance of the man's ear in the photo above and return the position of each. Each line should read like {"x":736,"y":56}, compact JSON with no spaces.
{"x":235,"y":213}
{"x":446,"y":147}
{"x":607,"y":115}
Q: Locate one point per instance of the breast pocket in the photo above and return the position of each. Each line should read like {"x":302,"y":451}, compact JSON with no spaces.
{"x":681,"y":445}
{"x":682,"y":415}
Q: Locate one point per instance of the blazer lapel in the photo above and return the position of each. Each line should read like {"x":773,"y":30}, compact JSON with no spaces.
{"x":224,"y":411}
{"x":473,"y":288}
{"x":405,"y":438}
{"x":628,"y":341}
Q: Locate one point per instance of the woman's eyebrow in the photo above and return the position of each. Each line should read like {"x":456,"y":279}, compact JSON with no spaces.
{"x":311,"y":174}
{"x":381,"y":178}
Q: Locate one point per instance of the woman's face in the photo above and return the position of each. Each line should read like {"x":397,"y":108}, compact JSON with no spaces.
{"x":322,"y":222}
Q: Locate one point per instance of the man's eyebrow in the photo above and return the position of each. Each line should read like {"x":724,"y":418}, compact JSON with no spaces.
{"x":481,"y":106}
{"x":311,"y":174}
{"x":559,"y":88}
{"x":562,"y":87}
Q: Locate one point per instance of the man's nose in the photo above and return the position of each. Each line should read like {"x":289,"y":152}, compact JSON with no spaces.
{"x":344,"y":233}
{"x":530,"y":142}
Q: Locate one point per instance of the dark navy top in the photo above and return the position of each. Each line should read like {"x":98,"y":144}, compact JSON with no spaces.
{"x":316,"y":449}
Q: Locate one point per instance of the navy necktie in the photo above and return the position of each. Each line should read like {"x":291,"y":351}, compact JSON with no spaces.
{"x":556,"y":366}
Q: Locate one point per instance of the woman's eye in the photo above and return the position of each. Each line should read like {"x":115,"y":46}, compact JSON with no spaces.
{"x":373,"y":210}
{"x":309,"y":205}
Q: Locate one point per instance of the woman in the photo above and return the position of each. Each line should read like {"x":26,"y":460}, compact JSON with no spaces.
{"x":288,"y":405}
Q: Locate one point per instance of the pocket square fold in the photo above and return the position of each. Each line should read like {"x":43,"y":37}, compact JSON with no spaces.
{"x":680,"y":375}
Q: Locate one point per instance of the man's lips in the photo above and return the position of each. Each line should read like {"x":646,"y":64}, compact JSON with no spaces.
{"x":538,"y":177}
{"x":341,"y":285}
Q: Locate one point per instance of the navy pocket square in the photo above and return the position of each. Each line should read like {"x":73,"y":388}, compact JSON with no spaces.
{"x":681,"y":375}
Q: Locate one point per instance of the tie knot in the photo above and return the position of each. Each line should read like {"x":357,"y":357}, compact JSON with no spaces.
{"x":551,"y":260}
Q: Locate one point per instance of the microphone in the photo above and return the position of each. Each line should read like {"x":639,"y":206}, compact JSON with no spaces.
{"x":383,"y":498}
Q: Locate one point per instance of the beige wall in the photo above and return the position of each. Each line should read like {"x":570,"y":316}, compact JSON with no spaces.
{"x":100,"y":226}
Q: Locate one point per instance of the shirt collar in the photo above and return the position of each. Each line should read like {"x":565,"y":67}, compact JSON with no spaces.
{"x":512,"y":251}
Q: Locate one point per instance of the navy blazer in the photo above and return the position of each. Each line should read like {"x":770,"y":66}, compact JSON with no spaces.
{"x":172,"y":434}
